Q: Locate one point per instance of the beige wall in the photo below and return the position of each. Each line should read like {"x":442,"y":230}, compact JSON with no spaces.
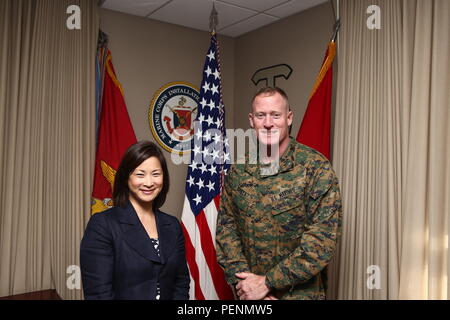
{"x":299,"y":41}
{"x":148,"y":54}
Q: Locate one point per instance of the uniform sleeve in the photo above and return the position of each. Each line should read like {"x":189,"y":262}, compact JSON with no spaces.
{"x":318,"y":242}
{"x":228,"y":239}
{"x":182,"y":280}
{"x":97,"y":260}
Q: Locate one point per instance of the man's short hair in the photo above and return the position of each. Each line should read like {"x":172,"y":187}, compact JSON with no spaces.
{"x":269,"y":91}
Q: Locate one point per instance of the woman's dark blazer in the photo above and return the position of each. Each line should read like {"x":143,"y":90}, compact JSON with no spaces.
{"x":118,"y":260}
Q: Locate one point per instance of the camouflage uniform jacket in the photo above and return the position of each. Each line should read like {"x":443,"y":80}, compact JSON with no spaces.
{"x":284,"y":226}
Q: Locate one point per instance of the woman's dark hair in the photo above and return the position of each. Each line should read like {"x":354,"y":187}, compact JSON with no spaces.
{"x":133,"y":157}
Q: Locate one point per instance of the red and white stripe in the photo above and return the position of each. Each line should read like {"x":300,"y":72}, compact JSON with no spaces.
{"x":207,"y":278}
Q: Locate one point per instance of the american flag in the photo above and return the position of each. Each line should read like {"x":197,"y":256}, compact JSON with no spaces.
{"x":210,"y":160}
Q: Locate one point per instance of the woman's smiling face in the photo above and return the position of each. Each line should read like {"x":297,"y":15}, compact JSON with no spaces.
{"x":146,"y":181}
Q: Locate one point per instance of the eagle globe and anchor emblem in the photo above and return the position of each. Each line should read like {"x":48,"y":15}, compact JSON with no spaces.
{"x":171,"y":116}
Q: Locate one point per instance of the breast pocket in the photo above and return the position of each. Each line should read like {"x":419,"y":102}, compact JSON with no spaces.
{"x":245,"y":200}
{"x":290,"y":216}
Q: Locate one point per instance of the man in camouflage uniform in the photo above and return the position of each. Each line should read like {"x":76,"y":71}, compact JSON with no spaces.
{"x":277,"y":230}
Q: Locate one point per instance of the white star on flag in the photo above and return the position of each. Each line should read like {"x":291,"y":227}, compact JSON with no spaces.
{"x":199,"y":134}
{"x":214,"y":89}
{"x":203,"y":103}
{"x":198,"y":199}
{"x":209,"y":72}
{"x":217,"y":138}
{"x":206,"y":87}
{"x":207,"y":136}
{"x":200,"y":184}
{"x":212,"y":170}
{"x":210,"y":186}
{"x":190,"y":181}
{"x":197,"y":150}
{"x":216,"y":74}
{"x":215,"y":154}
{"x":193,"y":165}
{"x":211,"y":56}
{"x":203,"y":168}
{"x":210,"y":120}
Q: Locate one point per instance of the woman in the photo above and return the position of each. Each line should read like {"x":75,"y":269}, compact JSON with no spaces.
{"x":133,"y":250}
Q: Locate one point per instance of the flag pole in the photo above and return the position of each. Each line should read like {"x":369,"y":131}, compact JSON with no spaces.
{"x":213,"y":19}
{"x":338,"y":18}
{"x":336,"y":28}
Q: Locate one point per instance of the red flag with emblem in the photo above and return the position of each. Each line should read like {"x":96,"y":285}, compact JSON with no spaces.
{"x":115,"y":135}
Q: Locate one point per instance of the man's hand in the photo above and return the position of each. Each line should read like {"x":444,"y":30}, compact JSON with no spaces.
{"x":251,"y":287}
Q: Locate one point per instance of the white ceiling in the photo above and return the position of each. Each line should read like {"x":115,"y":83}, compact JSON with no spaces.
{"x":236,"y":17}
